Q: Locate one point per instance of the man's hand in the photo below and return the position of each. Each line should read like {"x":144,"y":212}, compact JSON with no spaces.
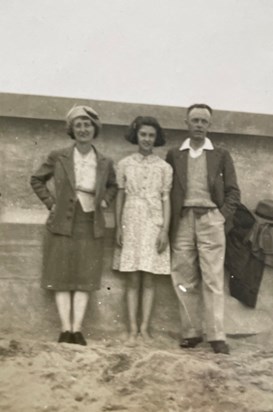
{"x":104,"y":204}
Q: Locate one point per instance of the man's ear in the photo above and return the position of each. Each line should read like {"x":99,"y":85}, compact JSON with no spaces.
{"x":186,"y":121}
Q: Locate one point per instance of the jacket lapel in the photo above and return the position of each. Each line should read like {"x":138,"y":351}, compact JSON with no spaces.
{"x":213,"y":160}
{"x":67,"y":161}
{"x":181,"y":166}
{"x":101,"y":167}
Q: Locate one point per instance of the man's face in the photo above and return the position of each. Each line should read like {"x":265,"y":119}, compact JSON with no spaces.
{"x":198,"y":121}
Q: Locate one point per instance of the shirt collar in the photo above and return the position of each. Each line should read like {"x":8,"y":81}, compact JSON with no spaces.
{"x":79,"y":156}
{"x":206,"y":146}
{"x":198,"y":152}
{"x":141,"y":158}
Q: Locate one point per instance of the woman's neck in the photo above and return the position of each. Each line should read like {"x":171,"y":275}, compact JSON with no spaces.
{"x":145,"y":152}
{"x":84,"y":148}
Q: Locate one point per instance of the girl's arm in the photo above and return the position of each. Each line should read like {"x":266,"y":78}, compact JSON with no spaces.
{"x":118,"y":214}
{"x":111,"y":185}
{"x":163,"y":238}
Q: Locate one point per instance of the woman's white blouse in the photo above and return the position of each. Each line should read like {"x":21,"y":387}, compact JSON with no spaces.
{"x":85,"y":167}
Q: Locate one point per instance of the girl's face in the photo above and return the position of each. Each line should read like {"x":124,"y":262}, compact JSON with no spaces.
{"x":83,"y":130}
{"x":146,"y":137}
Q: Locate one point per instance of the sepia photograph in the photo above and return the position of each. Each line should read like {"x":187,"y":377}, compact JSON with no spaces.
{"x":136,"y":206}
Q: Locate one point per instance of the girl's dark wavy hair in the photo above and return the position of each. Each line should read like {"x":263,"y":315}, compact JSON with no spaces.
{"x":131,"y":134}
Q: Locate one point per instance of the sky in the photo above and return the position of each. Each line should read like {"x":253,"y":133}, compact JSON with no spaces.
{"x":166,"y":52}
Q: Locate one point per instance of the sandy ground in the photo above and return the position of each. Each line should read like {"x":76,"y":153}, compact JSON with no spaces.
{"x":107,"y":375}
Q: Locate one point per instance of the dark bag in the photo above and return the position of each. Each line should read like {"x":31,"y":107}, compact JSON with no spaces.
{"x":245,"y":270}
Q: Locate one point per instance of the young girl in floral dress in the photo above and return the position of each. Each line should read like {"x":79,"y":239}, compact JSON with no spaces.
{"x":142,"y":220}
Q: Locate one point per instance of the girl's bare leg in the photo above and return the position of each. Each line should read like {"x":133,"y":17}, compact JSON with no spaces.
{"x":147,"y":303}
{"x":133,"y":287}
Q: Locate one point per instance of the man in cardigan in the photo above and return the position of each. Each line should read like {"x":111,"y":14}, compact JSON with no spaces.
{"x":204,"y":196}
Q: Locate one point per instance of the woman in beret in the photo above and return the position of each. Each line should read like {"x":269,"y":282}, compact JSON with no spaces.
{"x":142,"y":220}
{"x":85,"y":184}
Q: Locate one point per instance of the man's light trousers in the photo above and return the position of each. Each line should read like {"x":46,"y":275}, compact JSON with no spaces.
{"x":198,"y":253}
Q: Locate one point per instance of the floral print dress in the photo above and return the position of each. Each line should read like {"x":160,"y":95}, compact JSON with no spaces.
{"x":147,"y":181}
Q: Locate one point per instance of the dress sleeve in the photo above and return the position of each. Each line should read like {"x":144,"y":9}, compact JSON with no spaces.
{"x":167,"y":181}
{"x":120,"y":174}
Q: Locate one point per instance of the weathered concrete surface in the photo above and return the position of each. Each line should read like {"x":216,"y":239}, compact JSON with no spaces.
{"x":25,"y":306}
{"x":240,"y":319}
{"x":24,"y":143}
{"x":31,"y":126}
{"x":121,"y":114}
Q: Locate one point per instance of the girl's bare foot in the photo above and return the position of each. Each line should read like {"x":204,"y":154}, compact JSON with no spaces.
{"x":146,"y":336}
{"x":132,"y":339}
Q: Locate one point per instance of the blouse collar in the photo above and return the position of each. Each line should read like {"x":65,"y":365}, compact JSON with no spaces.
{"x":141,"y":158}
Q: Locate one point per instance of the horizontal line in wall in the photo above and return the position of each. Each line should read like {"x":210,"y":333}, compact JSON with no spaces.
{"x":37,"y":216}
{"x":19,"y":278}
{"x":19,"y":243}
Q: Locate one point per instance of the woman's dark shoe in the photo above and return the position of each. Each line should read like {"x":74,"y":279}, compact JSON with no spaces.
{"x":220,"y":346}
{"x":65,"y":337}
{"x":78,"y":339}
{"x":190,"y":342}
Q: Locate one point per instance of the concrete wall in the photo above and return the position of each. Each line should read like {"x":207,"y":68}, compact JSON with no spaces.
{"x":25,"y":142}
{"x":28,"y":132}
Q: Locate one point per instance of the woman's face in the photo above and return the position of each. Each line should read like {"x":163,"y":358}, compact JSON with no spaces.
{"x":146,"y":137}
{"x":83,"y":130}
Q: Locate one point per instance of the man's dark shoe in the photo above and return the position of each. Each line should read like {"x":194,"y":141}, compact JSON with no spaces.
{"x":220,"y":346}
{"x":190,"y":342}
{"x":65,"y":337}
{"x":78,"y":338}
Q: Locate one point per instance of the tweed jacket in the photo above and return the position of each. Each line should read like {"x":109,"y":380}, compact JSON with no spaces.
{"x":222,"y":183}
{"x":59,"y":166}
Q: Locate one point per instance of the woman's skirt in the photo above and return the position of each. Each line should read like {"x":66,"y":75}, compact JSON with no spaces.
{"x":73,"y":263}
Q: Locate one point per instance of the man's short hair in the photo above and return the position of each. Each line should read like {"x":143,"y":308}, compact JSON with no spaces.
{"x":199,"y":106}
